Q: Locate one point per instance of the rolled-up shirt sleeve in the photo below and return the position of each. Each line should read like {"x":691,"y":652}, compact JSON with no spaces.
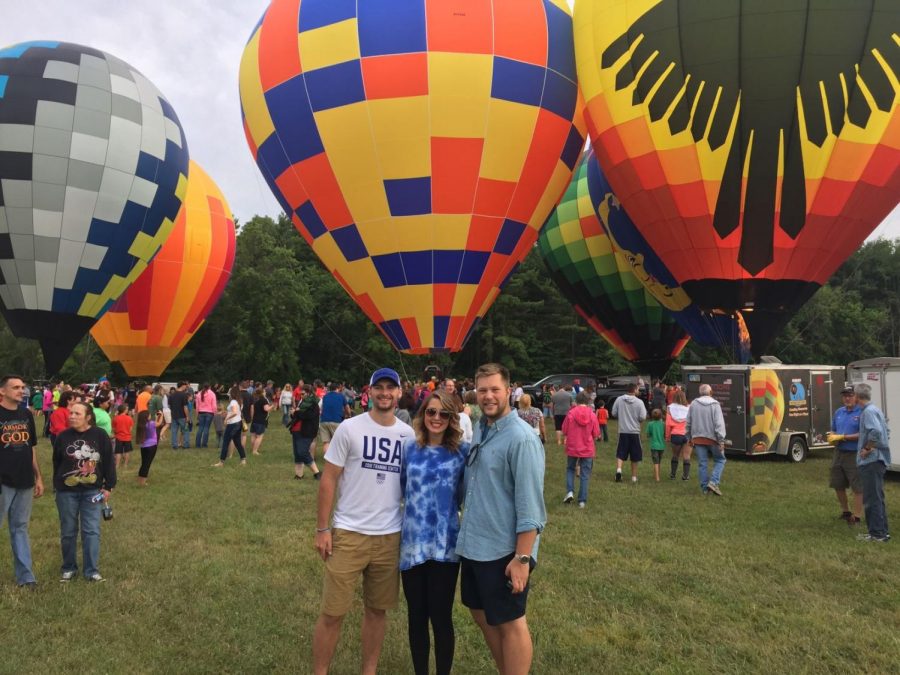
{"x":527,"y":463}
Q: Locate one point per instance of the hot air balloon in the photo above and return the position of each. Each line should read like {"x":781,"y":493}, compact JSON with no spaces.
{"x":754,"y":144}
{"x":93,"y":168}
{"x":160,"y":312}
{"x":767,"y":411}
{"x":417,"y":146}
{"x":708,"y":329}
{"x":601,"y":284}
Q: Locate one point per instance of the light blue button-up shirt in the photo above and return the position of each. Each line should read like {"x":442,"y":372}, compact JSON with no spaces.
{"x":503,"y":489}
{"x":873,"y":431}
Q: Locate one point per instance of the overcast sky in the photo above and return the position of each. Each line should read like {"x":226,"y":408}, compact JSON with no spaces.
{"x":191,"y":50}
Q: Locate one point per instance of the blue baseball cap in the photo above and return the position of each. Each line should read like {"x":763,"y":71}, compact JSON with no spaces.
{"x":385,"y":374}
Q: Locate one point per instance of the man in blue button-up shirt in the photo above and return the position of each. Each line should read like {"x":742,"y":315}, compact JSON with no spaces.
{"x":503,"y":515}
{"x":873,"y":457}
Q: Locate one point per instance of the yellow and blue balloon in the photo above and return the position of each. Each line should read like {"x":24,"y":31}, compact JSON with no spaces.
{"x":417,"y":146}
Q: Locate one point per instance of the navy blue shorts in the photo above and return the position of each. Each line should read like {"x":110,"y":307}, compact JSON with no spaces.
{"x":301,"y":449}
{"x":630,"y":448}
{"x":483,"y":586}
{"x":678,"y":439}
{"x":258,"y":428}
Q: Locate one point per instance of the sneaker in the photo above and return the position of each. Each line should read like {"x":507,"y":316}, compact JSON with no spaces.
{"x":96,"y":577}
{"x":317,"y":476}
{"x":712,"y":487}
{"x":634,"y":479}
{"x":66,"y":576}
{"x":869,"y":537}
{"x":568,"y":498}
{"x":618,"y":476}
{"x":580,"y":505}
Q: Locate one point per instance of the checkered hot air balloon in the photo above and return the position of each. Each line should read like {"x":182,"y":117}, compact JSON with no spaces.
{"x":93,"y":168}
{"x":766,"y":408}
{"x":755,"y":145}
{"x":160,"y":312}
{"x":417,"y":146}
{"x":601,"y":283}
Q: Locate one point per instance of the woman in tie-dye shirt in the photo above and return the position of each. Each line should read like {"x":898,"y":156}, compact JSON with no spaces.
{"x":431,"y":479}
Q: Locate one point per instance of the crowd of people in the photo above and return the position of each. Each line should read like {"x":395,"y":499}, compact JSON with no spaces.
{"x":430,"y":484}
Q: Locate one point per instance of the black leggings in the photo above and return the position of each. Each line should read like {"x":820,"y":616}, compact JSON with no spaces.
{"x":430,"y":589}
{"x":232,"y":435}
{"x":147,"y":455}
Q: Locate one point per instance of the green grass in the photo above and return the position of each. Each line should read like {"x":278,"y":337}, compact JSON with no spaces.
{"x":213,"y":571}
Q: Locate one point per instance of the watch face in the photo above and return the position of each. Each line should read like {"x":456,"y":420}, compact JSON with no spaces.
{"x":524,"y":559}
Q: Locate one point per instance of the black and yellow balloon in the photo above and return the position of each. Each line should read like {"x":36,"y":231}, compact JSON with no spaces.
{"x":755,"y":145}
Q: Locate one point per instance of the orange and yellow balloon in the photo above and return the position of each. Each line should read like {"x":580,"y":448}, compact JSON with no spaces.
{"x":754,"y":145}
{"x":153,"y":321}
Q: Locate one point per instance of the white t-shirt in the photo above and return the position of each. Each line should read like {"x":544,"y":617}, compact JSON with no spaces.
{"x":465,"y":423}
{"x":233,"y":412}
{"x":369,"y":488}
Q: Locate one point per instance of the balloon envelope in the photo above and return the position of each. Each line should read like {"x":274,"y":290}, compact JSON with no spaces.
{"x":93,"y":168}
{"x":707,"y":329}
{"x":754,"y":145}
{"x":417,"y":146}
{"x":601,"y":284}
{"x":160,"y":312}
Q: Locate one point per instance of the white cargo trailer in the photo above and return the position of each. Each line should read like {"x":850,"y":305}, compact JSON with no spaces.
{"x":883,"y":375}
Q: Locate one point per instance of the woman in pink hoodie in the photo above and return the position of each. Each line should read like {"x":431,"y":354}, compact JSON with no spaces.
{"x":581,"y":430}
{"x":676,"y":420}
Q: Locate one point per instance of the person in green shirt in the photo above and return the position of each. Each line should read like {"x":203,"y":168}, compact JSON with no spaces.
{"x":102,"y":401}
{"x":656,"y":432}
{"x":37,"y":400}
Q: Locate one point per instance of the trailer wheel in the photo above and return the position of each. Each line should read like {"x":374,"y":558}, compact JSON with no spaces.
{"x":797,"y":451}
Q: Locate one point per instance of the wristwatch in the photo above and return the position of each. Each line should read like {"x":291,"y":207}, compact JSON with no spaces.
{"x":524,"y":559}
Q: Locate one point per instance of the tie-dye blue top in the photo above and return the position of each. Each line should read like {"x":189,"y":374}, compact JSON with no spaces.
{"x":431,"y":480}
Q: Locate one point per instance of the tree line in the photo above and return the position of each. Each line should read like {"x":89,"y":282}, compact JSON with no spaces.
{"x":283,"y":316}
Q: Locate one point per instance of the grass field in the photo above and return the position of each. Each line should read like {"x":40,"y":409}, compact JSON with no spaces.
{"x":213,"y":571}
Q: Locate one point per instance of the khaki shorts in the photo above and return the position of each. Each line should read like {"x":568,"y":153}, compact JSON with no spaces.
{"x":326,"y":431}
{"x":844,"y":473}
{"x":376,"y":557}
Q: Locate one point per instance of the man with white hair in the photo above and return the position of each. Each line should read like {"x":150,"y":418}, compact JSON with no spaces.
{"x":872,"y":457}
{"x":705,"y":430}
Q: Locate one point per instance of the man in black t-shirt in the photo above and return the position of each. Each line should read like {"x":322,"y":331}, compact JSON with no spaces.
{"x":20,"y":475}
{"x":178,"y":404}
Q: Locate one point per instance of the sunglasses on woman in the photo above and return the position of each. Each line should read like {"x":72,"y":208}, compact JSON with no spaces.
{"x":431,"y":412}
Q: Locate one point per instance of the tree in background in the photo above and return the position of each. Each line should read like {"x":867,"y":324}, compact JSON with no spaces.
{"x":283,"y":316}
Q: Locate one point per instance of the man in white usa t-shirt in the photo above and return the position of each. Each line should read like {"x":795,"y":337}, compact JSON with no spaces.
{"x":363,"y":465}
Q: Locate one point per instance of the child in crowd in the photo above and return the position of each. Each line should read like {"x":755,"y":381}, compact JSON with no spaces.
{"x":656,"y":432}
{"x":148,"y":441}
{"x":122,"y":424}
{"x":219,"y":423}
{"x":602,"y":419}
